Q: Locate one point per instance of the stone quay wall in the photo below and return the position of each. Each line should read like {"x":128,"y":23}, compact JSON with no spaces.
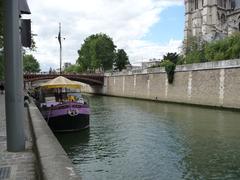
{"x":53,"y":162}
{"x":210,"y":84}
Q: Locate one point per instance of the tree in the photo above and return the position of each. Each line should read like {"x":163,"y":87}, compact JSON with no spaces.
{"x":195,"y":50}
{"x":30,"y":64}
{"x":173,"y":57}
{"x":170,"y":60}
{"x":224,"y":49}
{"x":170,"y":70}
{"x":32,"y":48}
{"x":97,"y":52}
{"x":228,"y":48}
{"x":121,"y":60}
{"x":75,"y":68}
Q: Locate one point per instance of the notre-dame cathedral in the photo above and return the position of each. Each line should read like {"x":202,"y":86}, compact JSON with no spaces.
{"x":211,"y":19}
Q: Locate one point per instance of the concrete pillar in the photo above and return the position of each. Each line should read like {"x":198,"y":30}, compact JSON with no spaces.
{"x":13,"y":78}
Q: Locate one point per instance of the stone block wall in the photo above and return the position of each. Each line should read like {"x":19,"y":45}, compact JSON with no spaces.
{"x":211,"y":84}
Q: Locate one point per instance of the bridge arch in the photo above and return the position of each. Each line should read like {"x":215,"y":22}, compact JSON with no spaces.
{"x":90,"y":79}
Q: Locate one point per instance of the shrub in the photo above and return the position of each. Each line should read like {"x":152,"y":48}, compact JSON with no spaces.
{"x":228,"y":48}
{"x":169,"y":68}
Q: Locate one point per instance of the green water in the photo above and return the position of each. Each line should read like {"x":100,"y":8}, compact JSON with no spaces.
{"x":133,"y":139}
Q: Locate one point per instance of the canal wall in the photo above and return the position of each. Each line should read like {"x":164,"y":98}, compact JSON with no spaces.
{"x":211,"y":84}
{"x":53,"y":162}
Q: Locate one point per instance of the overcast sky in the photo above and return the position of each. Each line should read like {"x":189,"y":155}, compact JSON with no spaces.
{"x":143,"y":28}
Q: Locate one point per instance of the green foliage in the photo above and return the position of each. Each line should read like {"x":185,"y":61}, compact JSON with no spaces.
{"x":195,"y":51}
{"x":228,"y":48}
{"x":121,"y":60}
{"x":195,"y":57}
{"x":70,"y":69}
{"x":192,"y":44}
{"x":170,"y":64}
{"x":180,"y":60}
{"x":76,"y":68}
{"x":198,"y":51}
{"x":170,"y":60}
{"x":30,"y":64}
{"x":97,"y":52}
{"x":173,"y":57}
{"x":33,"y":47}
{"x":33,"y":44}
{"x":169,"y":68}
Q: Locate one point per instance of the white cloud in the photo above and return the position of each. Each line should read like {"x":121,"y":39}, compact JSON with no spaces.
{"x":126,"y":21}
{"x":143,"y":50}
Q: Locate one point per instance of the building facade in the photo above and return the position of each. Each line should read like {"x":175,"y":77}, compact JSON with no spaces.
{"x":211,"y":19}
{"x":150,"y":63}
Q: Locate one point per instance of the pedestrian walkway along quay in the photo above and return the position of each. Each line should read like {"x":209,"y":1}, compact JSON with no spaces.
{"x":43,"y":158}
{"x":16,"y":165}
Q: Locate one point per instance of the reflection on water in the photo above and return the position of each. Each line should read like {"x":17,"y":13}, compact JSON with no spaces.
{"x":134,"y":139}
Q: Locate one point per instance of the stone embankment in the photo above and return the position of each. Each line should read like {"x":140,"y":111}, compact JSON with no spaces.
{"x":43,"y":158}
{"x":53,"y":161}
{"x":210,"y":84}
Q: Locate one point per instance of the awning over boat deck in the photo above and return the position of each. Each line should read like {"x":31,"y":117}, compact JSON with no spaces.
{"x":61,"y":82}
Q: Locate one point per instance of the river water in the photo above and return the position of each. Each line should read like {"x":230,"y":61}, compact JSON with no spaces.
{"x":135,"y":139}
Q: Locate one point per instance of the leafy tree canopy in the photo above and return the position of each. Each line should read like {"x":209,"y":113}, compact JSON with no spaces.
{"x":30,"y":64}
{"x":227,"y":48}
{"x":121,"y":60}
{"x":33,"y":47}
{"x":195,"y":51}
{"x":173,"y":57}
{"x":96,"y":53}
{"x":170,"y":69}
{"x":75,"y":68}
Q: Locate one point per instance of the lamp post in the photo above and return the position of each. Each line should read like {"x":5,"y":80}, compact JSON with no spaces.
{"x":60,"y":44}
{"x":14,"y":74}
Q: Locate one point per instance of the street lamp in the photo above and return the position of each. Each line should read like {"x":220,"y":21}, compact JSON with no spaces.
{"x":14,"y":74}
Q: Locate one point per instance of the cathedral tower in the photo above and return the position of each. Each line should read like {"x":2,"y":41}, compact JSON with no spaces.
{"x":211,"y":19}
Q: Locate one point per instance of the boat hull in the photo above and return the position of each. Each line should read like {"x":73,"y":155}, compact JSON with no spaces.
{"x":67,"y":123}
{"x":67,"y":116}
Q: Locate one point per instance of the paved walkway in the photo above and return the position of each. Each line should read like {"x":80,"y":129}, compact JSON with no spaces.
{"x":20,"y":165}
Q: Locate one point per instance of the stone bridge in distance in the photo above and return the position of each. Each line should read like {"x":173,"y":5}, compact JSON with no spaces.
{"x":90,"y":79}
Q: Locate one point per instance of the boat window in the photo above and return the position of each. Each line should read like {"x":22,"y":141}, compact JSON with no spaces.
{"x":71,"y":98}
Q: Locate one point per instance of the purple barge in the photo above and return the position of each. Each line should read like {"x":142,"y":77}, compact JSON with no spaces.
{"x":64,"y":111}
{"x":66,"y":116}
